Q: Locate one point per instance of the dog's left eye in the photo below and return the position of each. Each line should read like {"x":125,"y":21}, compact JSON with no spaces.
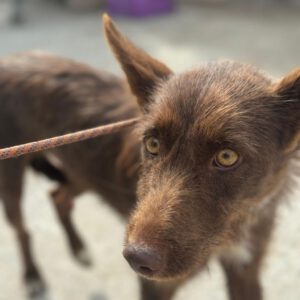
{"x":152,"y":145}
{"x":226,"y":158}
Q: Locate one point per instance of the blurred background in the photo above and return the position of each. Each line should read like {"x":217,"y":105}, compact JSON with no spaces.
{"x":181,"y":33}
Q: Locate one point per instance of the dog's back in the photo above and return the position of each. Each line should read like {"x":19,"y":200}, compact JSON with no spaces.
{"x":42,"y":95}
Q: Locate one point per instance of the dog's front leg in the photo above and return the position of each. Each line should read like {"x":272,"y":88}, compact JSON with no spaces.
{"x":242,"y":273}
{"x":243,"y":282}
{"x":151,"y":290}
{"x":11,"y":182}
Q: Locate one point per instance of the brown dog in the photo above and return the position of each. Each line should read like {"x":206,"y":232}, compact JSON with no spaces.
{"x":42,"y":96}
{"x":218,"y":144}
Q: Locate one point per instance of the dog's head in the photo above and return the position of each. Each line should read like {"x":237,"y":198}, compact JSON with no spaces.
{"x":215,"y":143}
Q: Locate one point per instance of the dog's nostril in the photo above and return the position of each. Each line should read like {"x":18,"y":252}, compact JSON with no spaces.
{"x":143,"y":260}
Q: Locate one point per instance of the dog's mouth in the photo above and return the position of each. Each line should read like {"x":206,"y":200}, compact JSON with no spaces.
{"x":145,"y":272}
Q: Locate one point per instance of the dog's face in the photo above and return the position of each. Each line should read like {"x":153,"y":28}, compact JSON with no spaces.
{"x":215,"y":142}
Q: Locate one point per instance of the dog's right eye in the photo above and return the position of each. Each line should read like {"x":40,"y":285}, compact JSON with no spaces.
{"x":152,"y":145}
{"x":226,"y":158}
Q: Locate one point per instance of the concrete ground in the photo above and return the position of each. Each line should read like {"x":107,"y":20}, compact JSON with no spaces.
{"x":268,"y":38}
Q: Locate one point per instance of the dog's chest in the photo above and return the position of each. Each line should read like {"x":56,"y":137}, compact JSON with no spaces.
{"x":238,"y":253}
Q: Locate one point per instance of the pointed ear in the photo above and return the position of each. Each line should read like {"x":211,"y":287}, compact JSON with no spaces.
{"x":289,"y":86}
{"x":143,"y":72}
{"x":288,"y":89}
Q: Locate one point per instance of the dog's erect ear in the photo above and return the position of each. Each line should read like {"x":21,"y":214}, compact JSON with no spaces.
{"x":289,"y":86}
{"x":143,"y":72}
{"x":288,"y":89}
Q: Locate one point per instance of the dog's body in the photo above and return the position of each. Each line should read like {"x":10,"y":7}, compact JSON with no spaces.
{"x":217,"y":148}
{"x":43,"y":96}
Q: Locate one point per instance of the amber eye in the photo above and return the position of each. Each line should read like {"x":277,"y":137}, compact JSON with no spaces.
{"x":226,"y":158}
{"x":152,"y":145}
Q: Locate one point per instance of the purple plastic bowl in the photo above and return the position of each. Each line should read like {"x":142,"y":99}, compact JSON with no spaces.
{"x":139,"y":8}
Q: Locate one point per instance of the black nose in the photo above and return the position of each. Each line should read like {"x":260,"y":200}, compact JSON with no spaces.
{"x":143,"y":260}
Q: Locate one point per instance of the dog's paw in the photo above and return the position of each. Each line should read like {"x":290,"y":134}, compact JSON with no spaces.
{"x":36,"y":288}
{"x":83,"y":257}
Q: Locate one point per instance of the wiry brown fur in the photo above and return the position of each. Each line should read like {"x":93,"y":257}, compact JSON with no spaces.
{"x":188,"y":210}
{"x":42,"y":96}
